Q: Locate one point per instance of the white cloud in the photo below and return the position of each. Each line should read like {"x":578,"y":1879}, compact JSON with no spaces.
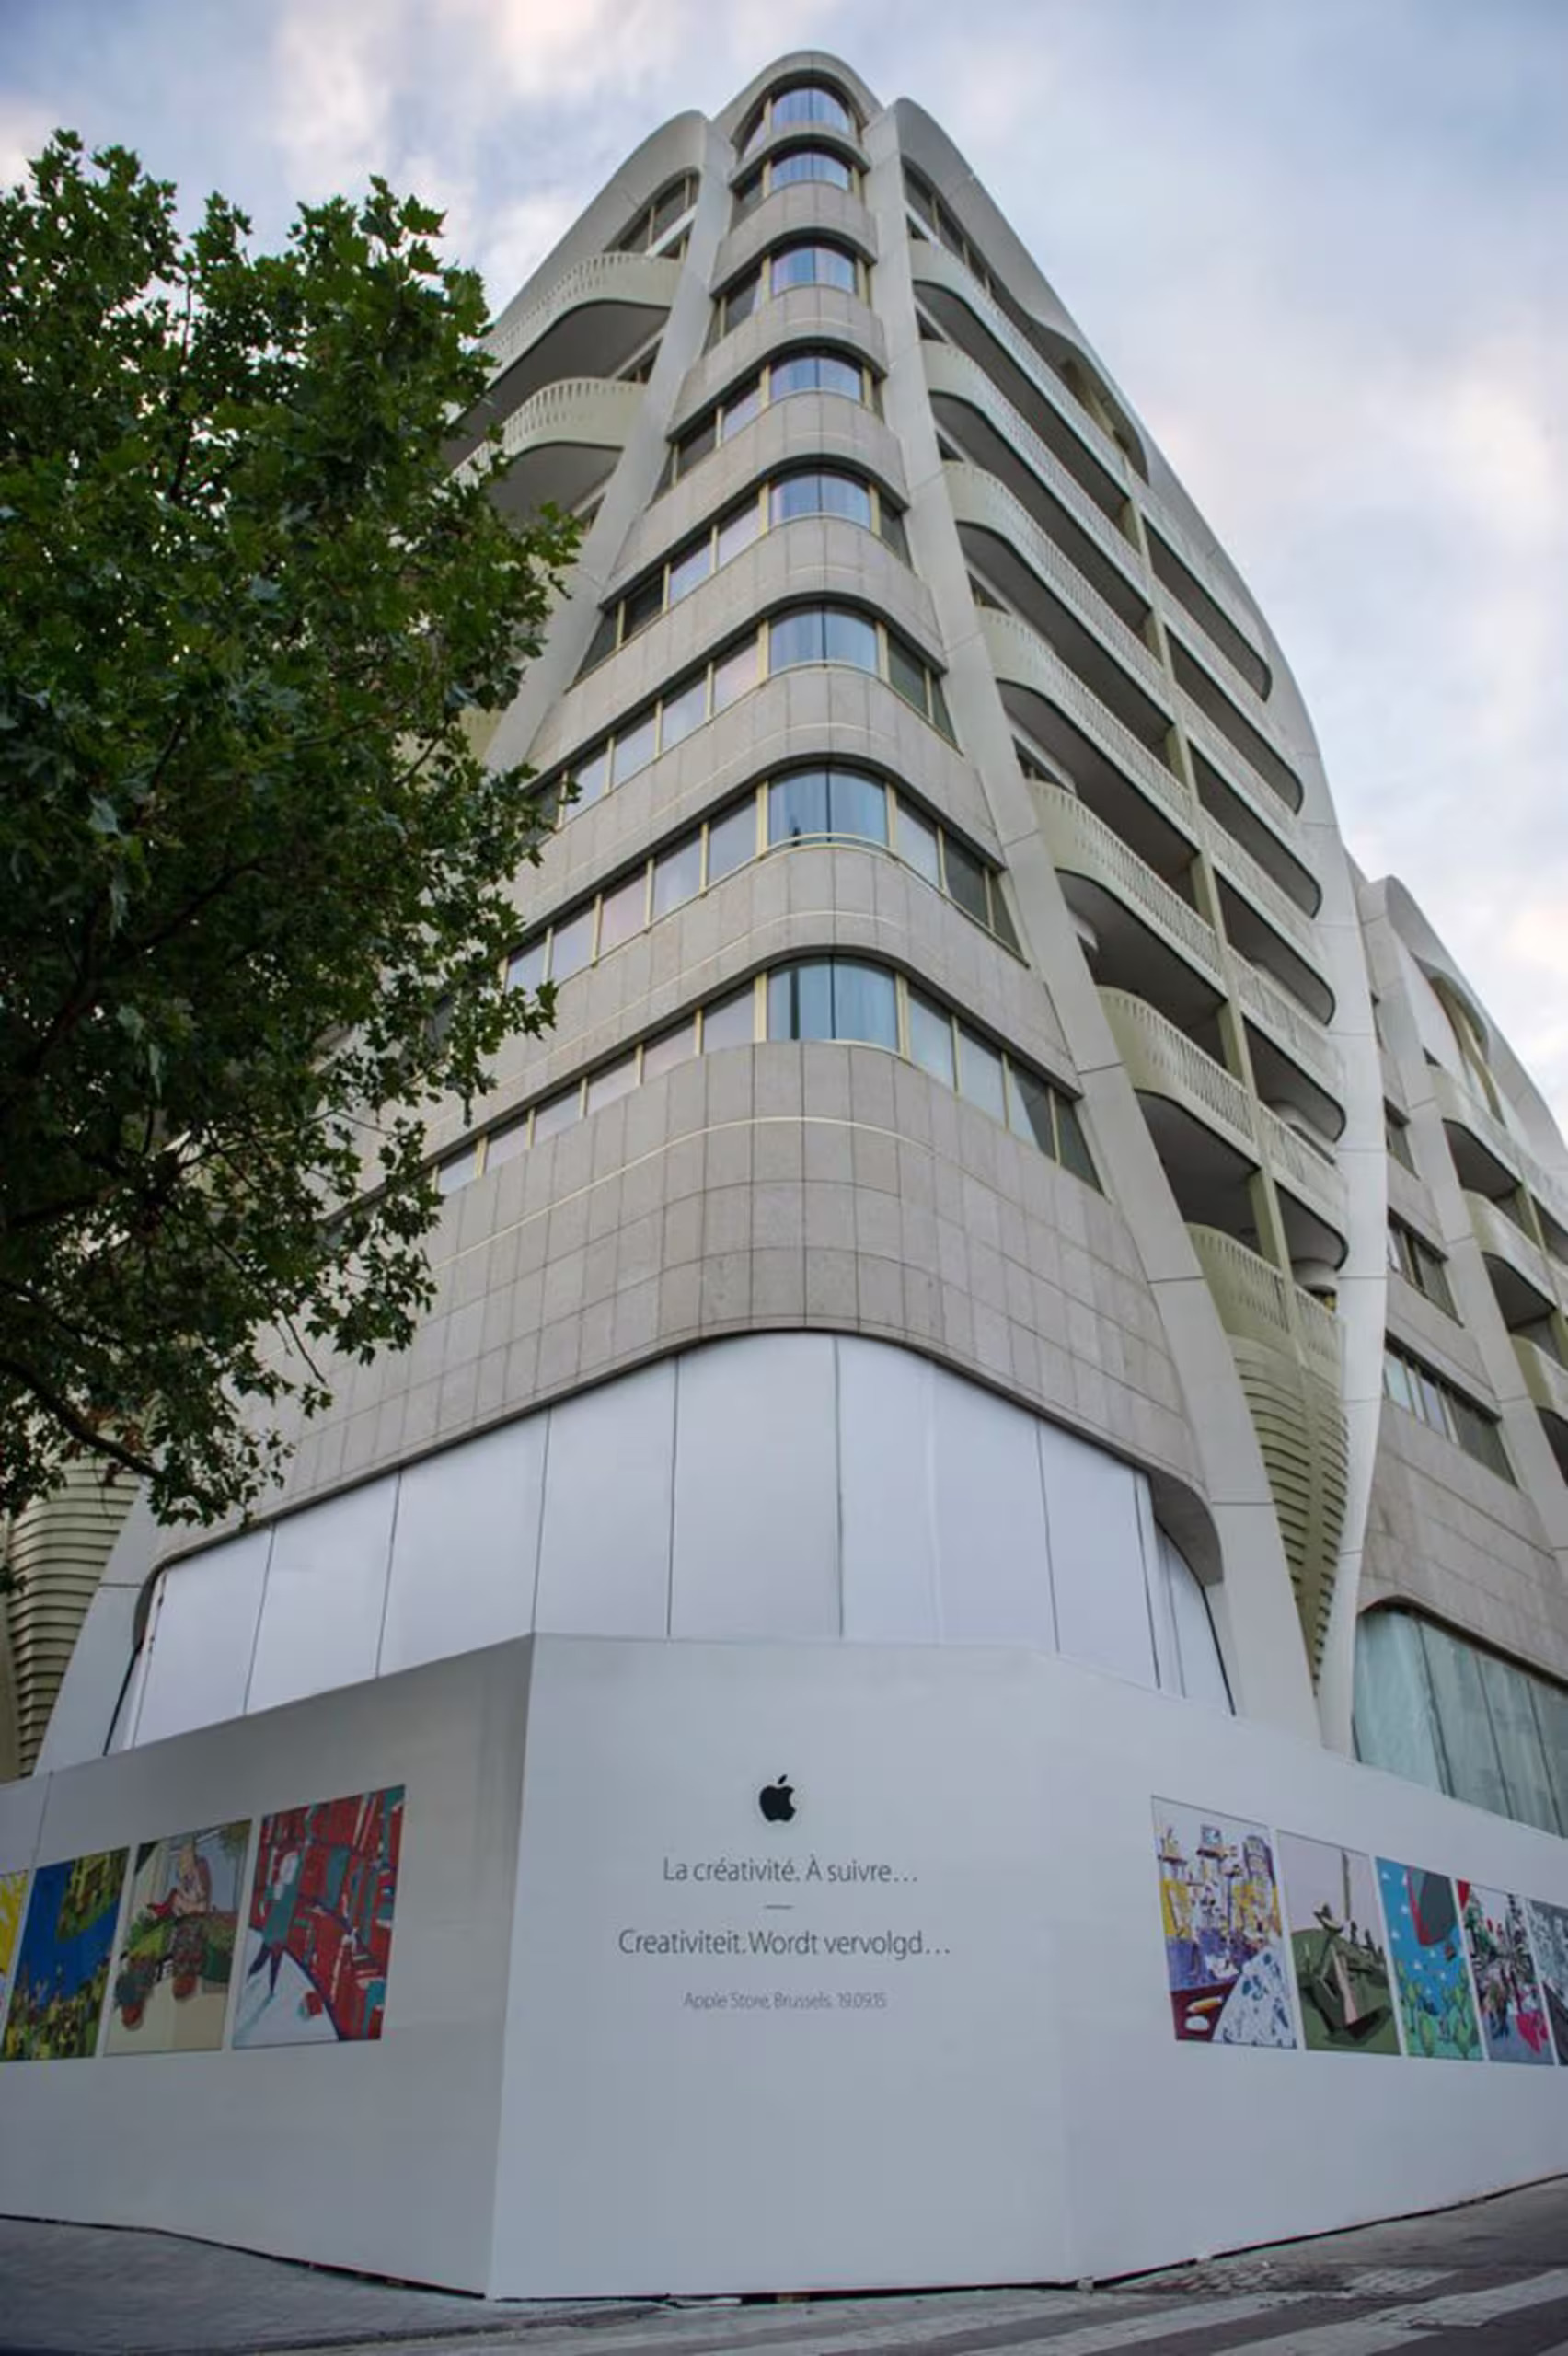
{"x":24,"y":131}
{"x":336,"y":64}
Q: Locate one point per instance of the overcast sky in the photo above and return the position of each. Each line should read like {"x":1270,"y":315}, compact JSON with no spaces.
{"x":1321,"y":244}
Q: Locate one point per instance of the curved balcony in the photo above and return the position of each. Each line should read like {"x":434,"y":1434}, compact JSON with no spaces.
{"x":1264,"y":923}
{"x":564,"y":442}
{"x":1083,"y":845}
{"x":1310,"y":1177}
{"x":1103,"y":468}
{"x":983,"y":503}
{"x":1545,"y":1379}
{"x":1162,"y":1061}
{"x":804,"y":209}
{"x":1019,"y":654}
{"x":1204,"y":569}
{"x":596,"y":316}
{"x":1459,"y":1108}
{"x":1515,"y":1253}
{"x":1247,"y":808}
{"x":1258,"y":1303}
{"x":1221,"y":689}
{"x":953,"y":376}
{"x":1292,"y":1029}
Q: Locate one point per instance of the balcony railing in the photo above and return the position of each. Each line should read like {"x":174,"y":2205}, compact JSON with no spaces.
{"x":1020,"y":653}
{"x":647,"y":280}
{"x":1456,"y":1102}
{"x":956,"y":375}
{"x":594,"y":411}
{"x":1161,"y":1060}
{"x":1201,"y":564}
{"x":1545,"y":1379}
{"x":1257,"y":1303}
{"x":1292,"y":1028}
{"x":979,"y":499}
{"x":1301,"y":1167}
{"x":937,"y":267}
{"x":1501,"y":1240}
{"x":1080,"y":843}
{"x":1255,"y":884}
{"x":1273,"y":813}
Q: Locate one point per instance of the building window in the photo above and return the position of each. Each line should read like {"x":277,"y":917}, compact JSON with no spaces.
{"x":808,"y":263}
{"x":1432,"y":1705}
{"x":803,"y":805}
{"x":798,"y":164}
{"x":1435,"y":1402}
{"x":656,"y":223}
{"x":810,"y":106}
{"x":800,"y":372}
{"x":836,"y":634}
{"x":1396,"y":1137}
{"x":1412,"y":1257}
{"x":815,"y":491}
{"x":852,"y":1000}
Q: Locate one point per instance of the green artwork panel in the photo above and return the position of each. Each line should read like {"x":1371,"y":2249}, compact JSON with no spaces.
{"x":1337,"y":1950}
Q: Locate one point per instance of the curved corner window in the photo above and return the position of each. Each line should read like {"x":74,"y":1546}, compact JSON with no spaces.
{"x":657,"y":222}
{"x":800,"y":166}
{"x":1440,"y":1710}
{"x":797,"y":372}
{"x":809,"y":105}
{"x":808,"y":263}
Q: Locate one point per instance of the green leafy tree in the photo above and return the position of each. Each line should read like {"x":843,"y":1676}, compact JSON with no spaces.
{"x":253,"y":871}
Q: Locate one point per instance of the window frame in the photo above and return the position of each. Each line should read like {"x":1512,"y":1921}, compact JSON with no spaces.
{"x":755,"y":187}
{"x":711,"y":429}
{"x":756,"y":281}
{"x":760,"y":127}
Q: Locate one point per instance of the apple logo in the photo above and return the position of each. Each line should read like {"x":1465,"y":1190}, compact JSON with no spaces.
{"x":777,"y":1801}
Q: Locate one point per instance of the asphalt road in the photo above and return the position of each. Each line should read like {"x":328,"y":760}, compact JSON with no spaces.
{"x":1487,"y":2280}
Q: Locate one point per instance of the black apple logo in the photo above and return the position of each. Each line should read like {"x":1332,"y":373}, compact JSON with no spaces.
{"x":777,"y":1801}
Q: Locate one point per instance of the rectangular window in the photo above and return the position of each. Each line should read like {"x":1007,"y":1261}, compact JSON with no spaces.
{"x":797,"y":806}
{"x":850,"y":639}
{"x":731,"y":1023}
{"x":1029,"y":1110}
{"x":731,"y":840}
{"x":980,"y":1075}
{"x":918,"y":845}
{"x":571,"y":945}
{"x":865,"y":1003}
{"x":800,"y":1002}
{"x":684,"y":711}
{"x":739,"y":530}
{"x":1072,"y":1146}
{"x":557,"y":1114}
{"x":858,"y":806}
{"x":457,"y":1170}
{"x":1396,"y":1133}
{"x":739,"y":303}
{"x":525,"y":969}
{"x":689,"y":572}
{"x":591,"y":776}
{"x":624,"y":912}
{"x":905,"y":673}
{"x":615,"y":1080}
{"x":634,"y":747}
{"x":1435,"y":1402}
{"x":930,"y":1038}
{"x":672,"y":1047}
{"x":677,"y":877}
{"x":966,"y":881}
{"x":740,"y":407}
{"x":505,"y":1145}
{"x":643,"y":605}
{"x":734,"y":675}
{"x":794,"y":639}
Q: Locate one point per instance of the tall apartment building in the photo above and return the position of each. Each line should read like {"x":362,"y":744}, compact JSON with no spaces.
{"x":1003,"y":1198}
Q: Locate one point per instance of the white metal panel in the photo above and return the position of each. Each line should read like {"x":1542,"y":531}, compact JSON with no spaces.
{"x":1096,"y":1557}
{"x":604,"y":1554}
{"x":326,"y":1592}
{"x":1156,"y":1587}
{"x":996,"y":1566}
{"x":200,"y":1639}
{"x":886,"y":1506}
{"x":465,"y":1547}
{"x":757,"y":1490}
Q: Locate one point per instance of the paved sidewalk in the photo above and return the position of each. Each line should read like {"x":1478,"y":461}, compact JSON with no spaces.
{"x":1487,"y":2280}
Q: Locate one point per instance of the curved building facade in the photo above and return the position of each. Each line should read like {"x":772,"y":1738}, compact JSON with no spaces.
{"x":1013,"y":1255}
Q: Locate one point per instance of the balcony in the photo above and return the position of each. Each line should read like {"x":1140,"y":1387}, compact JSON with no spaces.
{"x":1010,"y":548}
{"x":1246,"y":808}
{"x":1520,"y":1271}
{"x":1162,"y":1062}
{"x":1277,"y":1013}
{"x":1264,"y":923}
{"x":1257,"y":1303}
{"x":1316,"y":1182}
{"x":966,"y":313}
{"x":1503,"y":1158}
{"x":1235,"y":709}
{"x":1236,"y":629}
{"x":1545,"y":1379}
{"x":565,"y":442}
{"x":998,"y":438}
{"x":1128,"y":785}
{"x":595,"y":317}
{"x":1149,"y":942}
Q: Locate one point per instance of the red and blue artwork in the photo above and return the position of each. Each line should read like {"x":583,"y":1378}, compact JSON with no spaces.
{"x":319,"y":1938}
{"x":63,"y":1966}
{"x":1548,"y":1937}
{"x":1426,"y":1950}
{"x":1513,"y":2017}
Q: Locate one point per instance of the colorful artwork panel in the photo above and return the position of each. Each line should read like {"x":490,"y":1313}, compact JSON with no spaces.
{"x":318,"y":1941}
{"x":175,"y":1960}
{"x":1336,"y":1950}
{"x":13,"y":1893}
{"x":1224,"y":1948}
{"x":1548,"y":1937}
{"x":1426,"y":1948}
{"x":63,"y":1962}
{"x":1513,"y":2017}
